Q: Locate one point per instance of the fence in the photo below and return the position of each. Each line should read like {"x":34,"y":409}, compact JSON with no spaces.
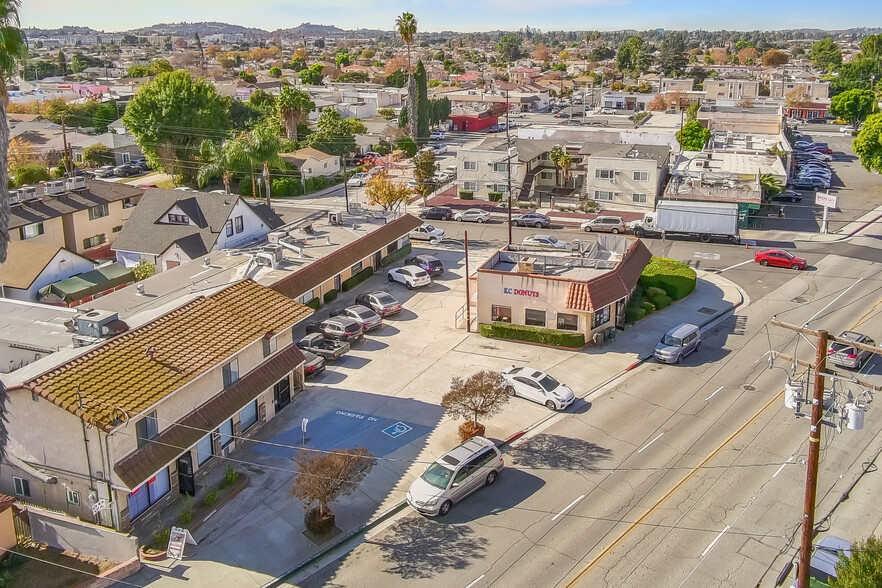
{"x":67,"y":533}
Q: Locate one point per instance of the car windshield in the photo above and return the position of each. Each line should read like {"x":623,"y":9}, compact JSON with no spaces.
{"x":421,"y":274}
{"x":385,"y":299}
{"x":672,"y":341}
{"x":836,"y":347}
{"x":548,"y":383}
{"x":365,"y":314}
{"x":437,"y":475}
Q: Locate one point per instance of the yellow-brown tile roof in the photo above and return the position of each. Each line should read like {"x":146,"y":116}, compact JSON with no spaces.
{"x":133,"y":371}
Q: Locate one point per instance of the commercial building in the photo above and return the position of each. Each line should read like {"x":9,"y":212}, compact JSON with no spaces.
{"x":584,"y":290}
{"x":730,"y":88}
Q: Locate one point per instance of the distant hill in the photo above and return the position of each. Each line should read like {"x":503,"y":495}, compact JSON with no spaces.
{"x":65,"y":30}
{"x":187,"y":29}
{"x":312,"y":30}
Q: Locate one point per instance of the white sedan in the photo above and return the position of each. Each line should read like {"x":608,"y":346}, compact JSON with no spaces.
{"x":537,"y":386}
{"x":410,"y":275}
{"x":544,"y":241}
{"x":426,"y":232}
{"x":472,"y":215}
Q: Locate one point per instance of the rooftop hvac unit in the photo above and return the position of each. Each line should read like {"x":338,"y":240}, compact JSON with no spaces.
{"x":98,"y":323}
{"x":53,"y":187}
{"x":14,"y":197}
{"x":526,"y":265}
{"x":335,"y":218}
{"x":275,"y":251}
{"x":274,"y":236}
{"x":75,"y":183}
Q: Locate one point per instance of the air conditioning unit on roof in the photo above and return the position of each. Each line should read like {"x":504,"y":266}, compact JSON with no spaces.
{"x":53,"y":187}
{"x":26,"y":193}
{"x":75,"y":183}
{"x":14,"y":197}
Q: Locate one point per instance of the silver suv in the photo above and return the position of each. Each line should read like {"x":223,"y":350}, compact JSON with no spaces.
{"x":605,"y":224}
{"x":844,"y":355}
{"x":455,"y":475}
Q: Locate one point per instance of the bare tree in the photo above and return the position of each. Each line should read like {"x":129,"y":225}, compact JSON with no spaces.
{"x":325,"y":477}
{"x":480,"y":396}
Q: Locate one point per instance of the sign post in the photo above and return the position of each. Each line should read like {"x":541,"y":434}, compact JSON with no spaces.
{"x":828,"y":201}
{"x":303,"y":424}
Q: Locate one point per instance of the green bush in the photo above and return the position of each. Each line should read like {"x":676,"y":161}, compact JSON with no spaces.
{"x":245,"y":186}
{"x":186,"y":514}
{"x":495,"y":196}
{"x":674,"y":277}
{"x":661,"y":301}
{"x":397,"y":254}
{"x":210,"y":498}
{"x":466,"y":194}
{"x":287,"y":187}
{"x":648,"y":307}
{"x":652,"y":292}
{"x":330,"y":296}
{"x":314,"y":304}
{"x":533,"y":334}
{"x":30,"y":173}
{"x":160,"y":539}
{"x":57,"y":172}
{"x":381,"y":149}
{"x":231,"y":476}
{"x":352,"y":282}
{"x":634,"y":314}
{"x":315,"y":184}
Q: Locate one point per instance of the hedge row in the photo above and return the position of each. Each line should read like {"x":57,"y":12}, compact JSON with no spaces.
{"x":314,"y":304}
{"x":674,"y":277}
{"x":466,"y":194}
{"x":330,"y":295}
{"x":352,"y":282}
{"x":532,"y":334}
{"x":495,"y":196}
{"x":397,"y":254}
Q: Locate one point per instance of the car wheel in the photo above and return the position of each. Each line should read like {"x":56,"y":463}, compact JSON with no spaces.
{"x":459,"y":219}
{"x":680,"y":358}
{"x":409,"y":285}
{"x":538,"y":225}
{"x":550,"y":405}
{"x":445,"y":508}
{"x":510,"y":391}
{"x":764,"y":262}
{"x":391,"y":279}
{"x":698,"y":346}
{"x":704,"y":238}
{"x":491,"y":477}
{"x":795,"y":266}
{"x":480,"y":221}
{"x":615,"y":231}
{"x":587,"y":229}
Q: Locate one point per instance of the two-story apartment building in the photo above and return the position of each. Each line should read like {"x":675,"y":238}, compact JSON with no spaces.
{"x":84,"y":216}
{"x":666,"y":85}
{"x":730,"y":88}
{"x":782,"y":86}
{"x":124,"y":426}
{"x":625,"y":177}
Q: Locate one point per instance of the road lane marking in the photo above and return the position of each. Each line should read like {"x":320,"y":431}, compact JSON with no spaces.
{"x":673,"y":490}
{"x":829,"y":304}
{"x":475,"y":581}
{"x":714,"y":394}
{"x":714,"y":542}
{"x":734,"y":266}
{"x":789,"y":459}
{"x":650,"y":443}
{"x":571,"y":505}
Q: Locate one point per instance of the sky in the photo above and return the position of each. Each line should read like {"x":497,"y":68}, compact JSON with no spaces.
{"x":463,"y":15}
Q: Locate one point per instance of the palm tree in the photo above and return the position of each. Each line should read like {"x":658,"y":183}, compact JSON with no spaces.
{"x":13,"y":51}
{"x":259,"y":147}
{"x":770,"y":185}
{"x":406,"y":24}
{"x":293,"y":107}
{"x":215,"y":160}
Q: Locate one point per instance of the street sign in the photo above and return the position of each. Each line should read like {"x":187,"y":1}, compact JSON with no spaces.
{"x":176,"y":540}
{"x":827,"y":200}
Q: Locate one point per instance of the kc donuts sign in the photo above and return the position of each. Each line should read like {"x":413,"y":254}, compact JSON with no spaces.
{"x":517,"y":292}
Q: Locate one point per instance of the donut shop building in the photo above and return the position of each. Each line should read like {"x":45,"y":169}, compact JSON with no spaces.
{"x":582,"y":289}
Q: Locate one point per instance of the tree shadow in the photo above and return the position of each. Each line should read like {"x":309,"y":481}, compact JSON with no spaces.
{"x":558,"y":452}
{"x":419,"y":548}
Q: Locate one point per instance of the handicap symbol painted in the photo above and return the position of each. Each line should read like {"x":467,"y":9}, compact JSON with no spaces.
{"x":397,"y":430}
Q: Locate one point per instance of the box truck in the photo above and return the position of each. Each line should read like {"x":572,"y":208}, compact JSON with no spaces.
{"x":703,"y":220}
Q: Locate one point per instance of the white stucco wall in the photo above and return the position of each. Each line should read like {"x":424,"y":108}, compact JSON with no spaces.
{"x":64,"y":265}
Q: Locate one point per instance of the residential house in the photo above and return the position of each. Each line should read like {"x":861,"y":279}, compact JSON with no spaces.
{"x":169,"y":227}
{"x":313,"y":163}
{"x":625,"y":177}
{"x":522,"y":75}
{"x":483,"y":169}
{"x":675,"y":85}
{"x":128,"y":424}
{"x":31,"y":265}
{"x":621,"y":100}
{"x":85,"y":216}
{"x":783,"y":86}
{"x":763,"y":117}
{"x":123,"y":147}
{"x":730,"y":88}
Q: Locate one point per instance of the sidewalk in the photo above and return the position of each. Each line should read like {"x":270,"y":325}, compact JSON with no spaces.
{"x":258,"y":536}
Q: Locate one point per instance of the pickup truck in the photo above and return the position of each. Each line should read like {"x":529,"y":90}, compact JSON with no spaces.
{"x":330,"y":349}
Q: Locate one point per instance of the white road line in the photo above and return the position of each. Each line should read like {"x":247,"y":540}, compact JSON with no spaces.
{"x":714,"y":394}
{"x":734,"y":266}
{"x":475,"y":581}
{"x":714,"y":542}
{"x":789,"y":459}
{"x":858,"y":281}
{"x":554,"y":518}
{"x":650,"y":443}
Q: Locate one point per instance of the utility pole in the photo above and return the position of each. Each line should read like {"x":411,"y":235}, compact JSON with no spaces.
{"x":508,"y":166}
{"x":67,"y":161}
{"x":468,"y":290}
{"x":345,"y":187}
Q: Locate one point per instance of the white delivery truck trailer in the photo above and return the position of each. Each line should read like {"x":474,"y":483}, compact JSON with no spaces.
{"x":703,"y":220}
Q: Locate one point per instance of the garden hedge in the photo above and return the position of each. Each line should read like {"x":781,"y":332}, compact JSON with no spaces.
{"x":352,"y":282}
{"x":330,"y":295}
{"x":661,"y":301}
{"x":397,"y":254}
{"x":495,"y":196}
{"x":314,"y":304}
{"x":532,"y":334}
{"x":674,"y":277}
{"x":466,"y":194}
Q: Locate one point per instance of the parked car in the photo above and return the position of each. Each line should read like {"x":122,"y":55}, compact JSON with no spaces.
{"x":437,"y":213}
{"x":787,"y":196}
{"x":816,"y":121}
{"x":359,"y":179}
{"x":442,"y":177}
{"x":472,"y":215}
{"x":125,"y":170}
{"x":493,"y":129}
{"x":562,"y":115}
{"x":779,"y":258}
{"x":451,"y":169}
{"x":410,"y":275}
{"x":367,"y":318}
{"x":436,"y":135}
{"x":338,"y":327}
{"x":329,"y":349}
{"x":677,"y":343}
{"x":800,"y":184}
{"x":382,"y":303}
{"x":604,"y":224}
{"x":544,"y":241}
{"x":439,"y":148}
{"x":453,"y":476}
{"x":431,"y":264}
{"x":537,"y":386}
{"x":845,"y":355}
{"x":315,"y":364}
{"x":532,"y":219}
{"x":105,"y":171}
{"x":608,"y":111}
{"x":427,"y":232}
{"x":141,"y":163}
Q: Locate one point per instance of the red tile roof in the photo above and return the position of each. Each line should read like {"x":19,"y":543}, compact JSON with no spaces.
{"x":617,"y":284}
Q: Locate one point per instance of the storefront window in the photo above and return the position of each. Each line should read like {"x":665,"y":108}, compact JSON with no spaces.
{"x":534,"y":318}
{"x":600,"y":317}
{"x":567,"y":322}
{"x":248,"y":415}
{"x":204,"y":449}
{"x":145,"y":495}
{"x":226,"y":432}
{"x":501,"y":313}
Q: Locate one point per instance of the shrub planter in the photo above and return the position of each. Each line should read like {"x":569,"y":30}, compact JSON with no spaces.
{"x":526,"y":334}
{"x":148,"y":554}
{"x":469,"y":429}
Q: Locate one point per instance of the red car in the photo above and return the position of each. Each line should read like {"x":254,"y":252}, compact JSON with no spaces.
{"x":779,"y":258}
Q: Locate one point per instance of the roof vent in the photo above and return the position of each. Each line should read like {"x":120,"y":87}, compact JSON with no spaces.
{"x":140,"y":290}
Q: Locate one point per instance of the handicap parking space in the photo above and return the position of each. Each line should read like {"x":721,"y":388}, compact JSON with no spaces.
{"x":345,"y":429}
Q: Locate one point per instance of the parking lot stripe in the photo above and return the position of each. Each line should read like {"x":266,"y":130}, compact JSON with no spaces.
{"x":568,"y":507}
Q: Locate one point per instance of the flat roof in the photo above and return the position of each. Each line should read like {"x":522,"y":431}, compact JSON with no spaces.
{"x":35,"y":327}
{"x":590,"y":260}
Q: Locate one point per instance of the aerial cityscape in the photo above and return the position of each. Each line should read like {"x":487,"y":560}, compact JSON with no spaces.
{"x":487,"y":294}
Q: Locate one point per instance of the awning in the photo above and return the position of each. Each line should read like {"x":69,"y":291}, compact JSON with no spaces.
{"x":178,"y":438}
{"x":87,"y":284}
